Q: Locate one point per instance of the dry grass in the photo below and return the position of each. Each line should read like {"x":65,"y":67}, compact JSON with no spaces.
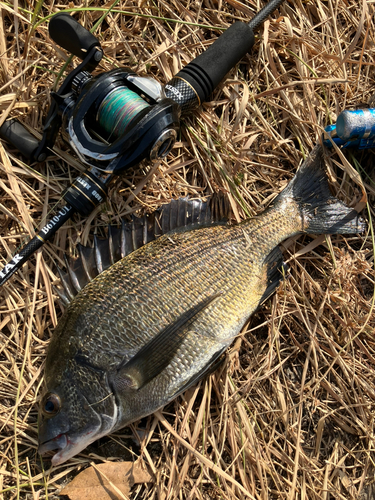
{"x":291,"y":414}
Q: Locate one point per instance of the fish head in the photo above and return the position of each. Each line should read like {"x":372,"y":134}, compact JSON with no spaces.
{"x":74,"y":412}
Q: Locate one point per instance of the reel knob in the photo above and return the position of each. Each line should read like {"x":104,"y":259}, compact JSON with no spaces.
{"x":163,"y":144}
{"x":80,"y":80}
{"x":13,"y":132}
{"x":73,"y":37}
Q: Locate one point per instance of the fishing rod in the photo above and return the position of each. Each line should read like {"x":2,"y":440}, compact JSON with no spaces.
{"x":118,"y":119}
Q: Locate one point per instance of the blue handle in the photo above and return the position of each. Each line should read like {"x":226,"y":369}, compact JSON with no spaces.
{"x":354,"y":129}
{"x":358,"y":124}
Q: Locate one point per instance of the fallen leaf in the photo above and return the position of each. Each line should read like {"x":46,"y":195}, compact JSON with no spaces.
{"x":108,"y":481}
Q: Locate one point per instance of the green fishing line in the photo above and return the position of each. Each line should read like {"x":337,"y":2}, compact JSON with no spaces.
{"x":118,"y":109}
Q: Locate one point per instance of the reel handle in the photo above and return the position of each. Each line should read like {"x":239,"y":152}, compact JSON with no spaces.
{"x":71,"y":36}
{"x":15,"y":133}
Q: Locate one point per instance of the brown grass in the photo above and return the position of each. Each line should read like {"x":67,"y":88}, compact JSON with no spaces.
{"x":291,"y":414}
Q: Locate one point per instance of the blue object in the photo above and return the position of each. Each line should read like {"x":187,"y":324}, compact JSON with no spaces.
{"x":353,"y":129}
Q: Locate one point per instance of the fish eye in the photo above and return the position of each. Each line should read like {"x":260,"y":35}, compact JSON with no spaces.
{"x":51,"y":404}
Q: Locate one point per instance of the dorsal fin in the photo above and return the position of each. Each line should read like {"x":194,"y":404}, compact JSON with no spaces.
{"x":180,"y":213}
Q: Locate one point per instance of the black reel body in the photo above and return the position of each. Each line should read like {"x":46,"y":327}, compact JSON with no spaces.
{"x":117,"y":119}
{"x":113,"y":122}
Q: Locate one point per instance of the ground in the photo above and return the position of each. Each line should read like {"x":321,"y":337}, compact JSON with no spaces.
{"x":290,"y":412}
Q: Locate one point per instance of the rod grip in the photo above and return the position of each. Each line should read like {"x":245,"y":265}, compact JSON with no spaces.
{"x":15,"y":133}
{"x":207,"y":70}
{"x":71,"y":36}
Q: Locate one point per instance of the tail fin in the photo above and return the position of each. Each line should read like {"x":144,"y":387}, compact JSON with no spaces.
{"x":321,"y":212}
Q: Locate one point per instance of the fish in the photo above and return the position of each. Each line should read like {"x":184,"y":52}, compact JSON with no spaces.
{"x":154,"y":323}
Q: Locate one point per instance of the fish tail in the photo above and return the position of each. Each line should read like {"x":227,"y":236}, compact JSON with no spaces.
{"x":321,"y":213}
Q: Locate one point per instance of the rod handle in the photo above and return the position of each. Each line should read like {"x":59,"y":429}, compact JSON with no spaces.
{"x":16,"y":134}
{"x":206,"y":71}
{"x":71,"y":36}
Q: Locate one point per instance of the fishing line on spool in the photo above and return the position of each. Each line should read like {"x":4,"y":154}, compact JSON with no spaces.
{"x":118,"y":109}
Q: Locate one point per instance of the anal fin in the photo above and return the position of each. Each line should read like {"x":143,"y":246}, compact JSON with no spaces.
{"x":276,"y":272}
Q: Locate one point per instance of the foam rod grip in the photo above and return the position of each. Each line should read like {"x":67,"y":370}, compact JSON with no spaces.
{"x":13,"y":132}
{"x":71,"y":36}
{"x":207,"y":70}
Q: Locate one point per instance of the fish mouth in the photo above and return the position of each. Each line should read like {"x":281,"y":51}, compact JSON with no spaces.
{"x":60,"y":444}
{"x":67,"y":440}
{"x":66,"y":447}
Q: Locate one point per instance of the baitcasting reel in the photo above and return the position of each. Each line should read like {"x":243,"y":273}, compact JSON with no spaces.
{"x":117,"y":119}
{"x":112,"y":121}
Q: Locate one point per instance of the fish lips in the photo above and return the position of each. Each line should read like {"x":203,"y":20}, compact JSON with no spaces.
{"x":67,"y":446}
{"x":58,"y":434}
{"x":58,"y":443}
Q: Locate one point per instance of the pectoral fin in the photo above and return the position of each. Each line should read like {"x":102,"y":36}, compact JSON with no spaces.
{"x":156,"y":355}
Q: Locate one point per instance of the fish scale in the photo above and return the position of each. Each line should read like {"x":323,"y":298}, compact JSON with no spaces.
{"x":153,"y":323}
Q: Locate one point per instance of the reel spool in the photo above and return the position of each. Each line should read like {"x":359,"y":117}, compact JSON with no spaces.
{"x":117,"y":110}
